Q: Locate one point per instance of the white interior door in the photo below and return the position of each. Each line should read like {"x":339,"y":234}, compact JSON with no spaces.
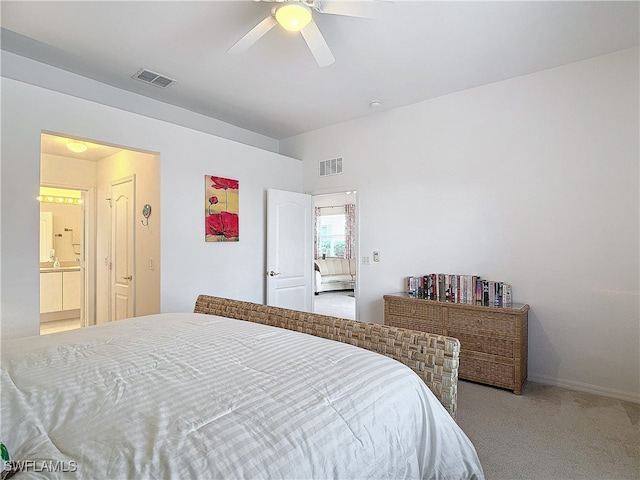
{"x":289,"y":250}
{"x":122,"y":249}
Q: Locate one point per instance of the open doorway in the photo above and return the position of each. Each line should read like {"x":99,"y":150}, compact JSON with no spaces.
{"x":335,"y":254}
{"x":81,"y":246}
{"x":62,"y":226}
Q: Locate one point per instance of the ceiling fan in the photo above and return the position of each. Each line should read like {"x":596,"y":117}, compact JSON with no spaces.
{"x":297,"y":16}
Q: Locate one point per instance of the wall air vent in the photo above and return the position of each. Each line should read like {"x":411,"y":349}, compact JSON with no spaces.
{"x":331,"y":167}
{"x":153,"y":78}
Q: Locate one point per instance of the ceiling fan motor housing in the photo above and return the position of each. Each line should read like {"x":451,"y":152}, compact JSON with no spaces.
{"x":303,"y":24}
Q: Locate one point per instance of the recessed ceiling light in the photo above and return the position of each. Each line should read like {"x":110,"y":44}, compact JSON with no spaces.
{"x":77,"y":147}
{"x":375,"y":103}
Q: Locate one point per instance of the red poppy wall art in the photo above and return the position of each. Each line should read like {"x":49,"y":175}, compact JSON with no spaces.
{"x":221,"y":209}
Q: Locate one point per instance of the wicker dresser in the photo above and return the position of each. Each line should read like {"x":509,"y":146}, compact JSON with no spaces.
{"x":493,"y":341}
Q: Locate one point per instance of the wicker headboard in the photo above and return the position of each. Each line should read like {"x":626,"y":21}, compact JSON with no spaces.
{"x":433,"y":357}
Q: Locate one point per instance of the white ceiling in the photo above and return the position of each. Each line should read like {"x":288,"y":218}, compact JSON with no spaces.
{"x":414,"y":51}
{"x":56,"y":145}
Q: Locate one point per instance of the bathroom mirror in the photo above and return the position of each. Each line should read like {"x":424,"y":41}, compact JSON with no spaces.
{"x":46,"y":236}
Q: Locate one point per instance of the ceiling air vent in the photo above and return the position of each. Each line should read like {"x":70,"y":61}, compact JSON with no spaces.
{"x":147,"y":76}
{"x":331,"y":167}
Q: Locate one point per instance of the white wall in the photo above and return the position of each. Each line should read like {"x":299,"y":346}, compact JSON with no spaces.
{"x":532,"y":181}
{"x":146,"y":169}
{"x":189,"y":265}
{"x":30,"y":71}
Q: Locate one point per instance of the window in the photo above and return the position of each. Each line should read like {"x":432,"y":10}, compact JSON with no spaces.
{"x":331,"y":237}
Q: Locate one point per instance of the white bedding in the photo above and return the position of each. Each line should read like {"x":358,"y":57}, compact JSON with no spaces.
{"x":199,"y":396}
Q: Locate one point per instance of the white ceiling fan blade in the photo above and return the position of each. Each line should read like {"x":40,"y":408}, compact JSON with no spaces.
{"x":317,"y":44}
{"x":254,"y":35}
{"x":361,"y":8}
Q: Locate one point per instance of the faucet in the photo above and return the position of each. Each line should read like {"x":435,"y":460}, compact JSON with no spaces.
{"x":53,"y":258}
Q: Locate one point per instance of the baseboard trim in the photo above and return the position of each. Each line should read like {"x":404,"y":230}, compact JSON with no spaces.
{"x":61,"y":315}
{"x":586,"y":387}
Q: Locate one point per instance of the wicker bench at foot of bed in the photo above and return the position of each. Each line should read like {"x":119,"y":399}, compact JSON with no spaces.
{"x":433,"y":357}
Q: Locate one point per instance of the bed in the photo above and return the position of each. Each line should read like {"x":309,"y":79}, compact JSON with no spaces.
{"x":221,"y":393}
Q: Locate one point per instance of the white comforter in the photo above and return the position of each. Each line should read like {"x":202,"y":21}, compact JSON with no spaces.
{"x":199,"y":396}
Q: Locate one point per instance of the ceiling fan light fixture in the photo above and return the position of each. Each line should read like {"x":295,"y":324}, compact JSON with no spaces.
{"x":293,"y":16}
{"x":77,"y":147}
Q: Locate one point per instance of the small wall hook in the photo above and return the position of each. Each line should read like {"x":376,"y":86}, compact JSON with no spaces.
{"x":146,"y":213}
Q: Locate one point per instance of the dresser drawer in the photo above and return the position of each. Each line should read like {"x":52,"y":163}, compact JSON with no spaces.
{"x":493,"y":341}
{"x":502,"y":347}
{"x":489,"y":322}
{"x":497,"y":374}
{"x":417,"y":310}
{"x":415,"y":324}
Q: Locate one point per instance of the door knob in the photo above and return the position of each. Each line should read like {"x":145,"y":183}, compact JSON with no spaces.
{"x":130,"y":277}
{"x":272,"y":273}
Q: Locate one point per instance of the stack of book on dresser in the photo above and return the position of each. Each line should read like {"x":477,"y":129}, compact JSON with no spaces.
{"x":465,"y":289}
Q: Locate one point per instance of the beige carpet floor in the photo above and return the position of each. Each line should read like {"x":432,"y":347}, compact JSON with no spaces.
{"x":339,"y":303}
{"x":550,"y":433}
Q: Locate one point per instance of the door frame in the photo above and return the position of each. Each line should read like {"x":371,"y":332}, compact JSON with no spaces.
{"x":87,"y":252}
{"x":339,"y":190}
{"x":88,"y":258}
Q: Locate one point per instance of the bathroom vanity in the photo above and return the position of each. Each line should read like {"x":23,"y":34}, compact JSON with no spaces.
{"x":60,"y":291}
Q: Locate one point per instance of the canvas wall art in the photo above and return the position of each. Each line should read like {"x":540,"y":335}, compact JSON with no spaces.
{"x":221,"y":209}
